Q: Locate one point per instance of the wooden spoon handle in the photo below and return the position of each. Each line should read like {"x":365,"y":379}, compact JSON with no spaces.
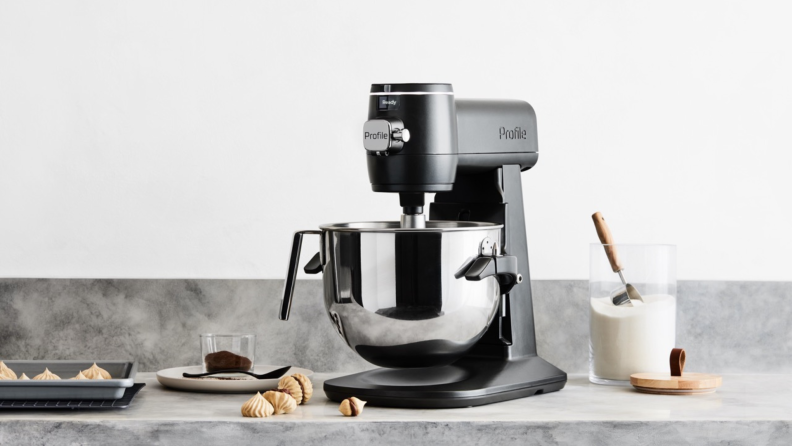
{"x":604,"y":234}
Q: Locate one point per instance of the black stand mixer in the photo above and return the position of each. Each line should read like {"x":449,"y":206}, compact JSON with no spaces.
{"x":446,"y":303}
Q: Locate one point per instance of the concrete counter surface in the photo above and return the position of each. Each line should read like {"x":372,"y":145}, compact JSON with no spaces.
{"x":747,"y":409}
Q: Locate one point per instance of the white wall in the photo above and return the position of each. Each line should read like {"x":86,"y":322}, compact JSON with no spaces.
{"x":190,"y":139}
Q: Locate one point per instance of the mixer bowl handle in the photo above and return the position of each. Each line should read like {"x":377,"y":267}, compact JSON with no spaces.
{"x":313,"y":267}
{"x":504,"y":268}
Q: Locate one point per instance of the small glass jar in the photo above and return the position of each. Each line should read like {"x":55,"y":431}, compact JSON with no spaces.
{"x":228,"y":352}
{"x":635,"y":338}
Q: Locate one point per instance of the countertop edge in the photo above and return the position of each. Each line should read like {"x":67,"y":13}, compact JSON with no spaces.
{"x":342,"y":431}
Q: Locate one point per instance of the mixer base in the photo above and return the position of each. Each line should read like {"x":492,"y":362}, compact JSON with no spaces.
{"x":467,"y":382}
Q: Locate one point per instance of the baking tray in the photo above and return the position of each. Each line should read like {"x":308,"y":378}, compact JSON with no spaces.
{"x":122,"y":372}
{"x":121,"y":403}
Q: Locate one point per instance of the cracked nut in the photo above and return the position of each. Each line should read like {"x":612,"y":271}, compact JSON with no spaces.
{"x":351,"y":407}
{"x":281,"y":401}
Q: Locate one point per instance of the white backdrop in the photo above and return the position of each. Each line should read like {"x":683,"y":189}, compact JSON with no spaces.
{"x":152,"y":139}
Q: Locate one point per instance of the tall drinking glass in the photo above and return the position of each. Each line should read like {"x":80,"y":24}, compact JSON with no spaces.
{"x":634,"y":338}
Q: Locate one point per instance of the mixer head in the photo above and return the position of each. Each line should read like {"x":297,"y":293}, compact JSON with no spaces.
{"x":419,"y":137}
{"x":411,"y":143}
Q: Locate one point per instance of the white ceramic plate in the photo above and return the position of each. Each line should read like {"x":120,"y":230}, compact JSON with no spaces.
{"x":173,"y":378}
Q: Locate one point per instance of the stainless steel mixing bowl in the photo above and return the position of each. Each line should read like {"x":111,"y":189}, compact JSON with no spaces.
{"x":395,"y":294}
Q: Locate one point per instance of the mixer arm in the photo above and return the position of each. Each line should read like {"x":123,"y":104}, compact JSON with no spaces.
{"x":313,"y":267}
{"x":504,"y":268}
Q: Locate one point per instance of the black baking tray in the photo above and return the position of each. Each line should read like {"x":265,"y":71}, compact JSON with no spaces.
{"x":122,"y":372}
{"x":121,"y":403}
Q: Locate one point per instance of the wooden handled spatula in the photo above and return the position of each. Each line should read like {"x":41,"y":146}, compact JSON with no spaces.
{"x":625,"y":294}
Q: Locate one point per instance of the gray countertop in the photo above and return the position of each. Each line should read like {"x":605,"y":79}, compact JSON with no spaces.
{"x":748,"y":409}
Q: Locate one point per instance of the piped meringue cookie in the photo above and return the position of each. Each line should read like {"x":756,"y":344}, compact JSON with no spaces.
{"x":298,"y":386}
{"x":5,"y":372}
{"x":257,"y":407}
{"x":292,"y":387}
{"x":24,"y":377}
{"x":351,"y":407}
{"x":79,"y":376}
{"x":96,"y":372}
{"x":307,"y":386}
{"x":281,"y":401}
{"x":47,"y":375}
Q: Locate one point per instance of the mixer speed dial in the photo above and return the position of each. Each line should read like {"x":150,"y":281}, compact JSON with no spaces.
{"x":384,"y":136}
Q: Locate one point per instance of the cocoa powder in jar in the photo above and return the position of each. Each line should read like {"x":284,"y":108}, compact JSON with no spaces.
{"x":225,"y":360}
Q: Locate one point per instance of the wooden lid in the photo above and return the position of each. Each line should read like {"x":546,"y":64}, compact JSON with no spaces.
{"x":677,"y":382}
{"x":665,"y":384}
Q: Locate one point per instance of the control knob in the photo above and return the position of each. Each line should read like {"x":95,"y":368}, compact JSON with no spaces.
{"x":384,"y":135}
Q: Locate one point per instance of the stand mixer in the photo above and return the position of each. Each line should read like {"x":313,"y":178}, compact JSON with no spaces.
{"x":444,"y":304}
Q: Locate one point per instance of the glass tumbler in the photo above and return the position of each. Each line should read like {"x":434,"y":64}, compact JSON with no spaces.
{"x":635,"y":338}
{"x":228,"y":352}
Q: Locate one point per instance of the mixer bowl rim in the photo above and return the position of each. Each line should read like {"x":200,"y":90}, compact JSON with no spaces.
{"x":395,"y":226}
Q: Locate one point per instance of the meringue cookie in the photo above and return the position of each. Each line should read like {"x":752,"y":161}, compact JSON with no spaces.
{"x":96,"y":372}
{"x":257,"y":407}
{"x":24,"y":377}
{"x":281,"y":402}
{"x":351,"y":407}
{"x":290,"y":385}
{"x":47,"y":375}
{"x":298,"y":386}
{"x":307,"y":386}
{"x":5,"y":372}
{"x":79,"y":376}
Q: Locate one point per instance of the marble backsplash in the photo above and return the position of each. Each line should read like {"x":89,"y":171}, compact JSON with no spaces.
{"x":725,"y":327}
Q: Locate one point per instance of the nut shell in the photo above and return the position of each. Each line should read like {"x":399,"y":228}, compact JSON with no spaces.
{"x":257,"y":407}
{"x":351,"y":407}
{"x":291,"y":385}
{"x":307,"y":386}
{"x":281,"y":402}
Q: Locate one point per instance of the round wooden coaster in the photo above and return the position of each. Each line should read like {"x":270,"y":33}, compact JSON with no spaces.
{"x":665,"y":384}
